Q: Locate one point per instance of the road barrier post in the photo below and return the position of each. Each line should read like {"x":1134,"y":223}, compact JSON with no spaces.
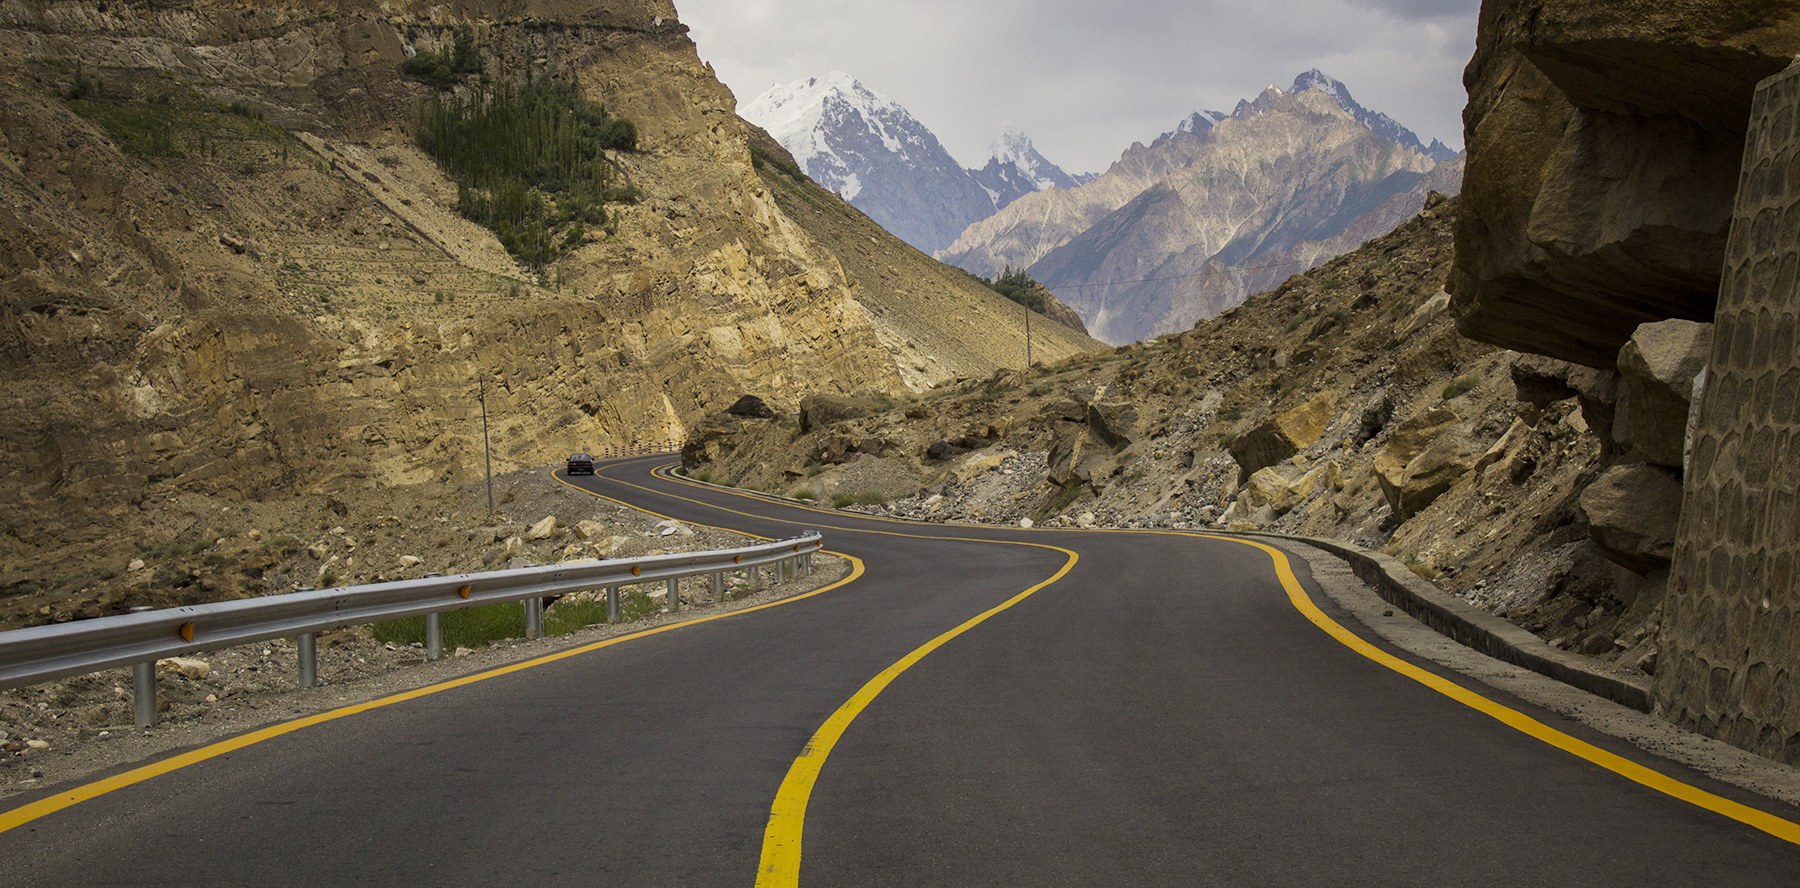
{"x":434,"y":635}
{"x":718,"y":587}
{"x":534,"y":618}
{"x":308,"y":642}
{"x":612,"y":604}
{"x":674,"y":594}
{"x":143,"y":686}
{"x":143,"y":692}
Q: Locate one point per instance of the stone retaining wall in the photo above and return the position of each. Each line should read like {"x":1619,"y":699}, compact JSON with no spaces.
{"x":1731,"y":641}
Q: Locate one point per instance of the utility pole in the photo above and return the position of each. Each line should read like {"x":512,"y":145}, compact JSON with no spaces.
{"x":1027,"y":334}
{"x":487,"y":451}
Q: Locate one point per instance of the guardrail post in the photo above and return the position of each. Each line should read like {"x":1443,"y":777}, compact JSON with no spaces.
{"x":808,"y":562}
{"x":674,"y":594}
{"x":718,"y":584}
{"x":143,"y":686}
{"x":434,"y":635}
{"x":612,"y":604}
{"x":534,"y":617}
{"x":143,"y":691}
{"x":309,"y":659}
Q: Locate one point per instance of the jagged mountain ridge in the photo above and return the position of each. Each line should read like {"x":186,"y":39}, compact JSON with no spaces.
{"x":863,"y":145}
{"x":1174,"y":231}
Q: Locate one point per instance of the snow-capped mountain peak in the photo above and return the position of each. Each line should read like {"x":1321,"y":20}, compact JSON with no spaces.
{"x":1200,"y":121}
{"x":1015,"y":167}
{"x":872,"y":151}
{"x":1012,"y":146}
{"x":796,"y":115}
{"x":1376,"y":122}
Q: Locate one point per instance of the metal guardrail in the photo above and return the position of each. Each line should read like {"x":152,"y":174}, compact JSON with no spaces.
{"x":44,"y":653}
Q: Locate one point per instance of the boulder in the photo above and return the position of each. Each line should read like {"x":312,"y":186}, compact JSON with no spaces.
{"x":1281,"y":436}
{"x":1604,"y":144}
{"x":1267,"y":488}
{"x":1656,"y":383}
{"x":589,"y":529}
{"x":1422,"y":459}
{"x":1067,"y":450}
{"x":1067,"y":409}
{"x":671,"y":526}
{"x":752,"y":407}
{"x":1631,"y":513}
{"x":1422,"y":316}
{"x":822,"y":410}
{"x":977,"y":463}
{"x":940,"y":450}
{"x":186,"y":667}
{"x":543,"y":529}
{"x":1116,"y":422}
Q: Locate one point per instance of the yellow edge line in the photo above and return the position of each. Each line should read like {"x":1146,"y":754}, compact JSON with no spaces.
{"x":51,"y":804}
{"x":1782,"y":829}
{"x":1778,"y":827}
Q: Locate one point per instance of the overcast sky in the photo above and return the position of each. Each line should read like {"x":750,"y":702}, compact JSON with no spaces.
{"x":1085,"y":79}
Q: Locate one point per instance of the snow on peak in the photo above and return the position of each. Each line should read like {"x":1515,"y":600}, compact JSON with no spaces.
{"x":1013,"y":146}
{"x":1200,"y":121}
{"x":794,"y":113}
{"x":1376,"y":122}
{"x":1014,"y":160}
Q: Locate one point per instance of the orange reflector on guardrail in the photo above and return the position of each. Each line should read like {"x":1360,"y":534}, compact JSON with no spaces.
{"x":186,"y":631}
{"x":634,"y":570}
{"x":737,"y":559}
{"x":464,"y":591}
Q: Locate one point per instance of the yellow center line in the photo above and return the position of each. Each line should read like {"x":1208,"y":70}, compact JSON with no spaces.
{"x":780,"y":864}
{"x":1778,"y":827}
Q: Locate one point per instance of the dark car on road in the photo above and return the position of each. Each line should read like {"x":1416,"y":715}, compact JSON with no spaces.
{"x":581,"y":464}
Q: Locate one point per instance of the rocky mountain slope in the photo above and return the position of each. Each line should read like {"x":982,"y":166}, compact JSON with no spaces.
{"x":1617,"y":191}
{"x":1342,"y":404}
{"x":1214,"y":210}
{"x":865,"y":146}
{"x":231,"y":276}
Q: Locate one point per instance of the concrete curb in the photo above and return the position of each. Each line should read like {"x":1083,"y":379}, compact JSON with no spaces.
{"x":1476,"y":628}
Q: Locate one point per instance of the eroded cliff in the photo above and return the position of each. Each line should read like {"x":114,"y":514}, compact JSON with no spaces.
{"x":230,"y":274}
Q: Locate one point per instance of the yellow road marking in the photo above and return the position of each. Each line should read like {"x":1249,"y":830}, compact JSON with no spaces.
{"x":780,"y":865}
{"x":1519,"y":721}
{"x":1778,"y":827}
{"x":49,"y":805}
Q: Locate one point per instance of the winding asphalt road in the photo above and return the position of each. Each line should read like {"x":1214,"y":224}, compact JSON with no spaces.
{"x":980,"y":707}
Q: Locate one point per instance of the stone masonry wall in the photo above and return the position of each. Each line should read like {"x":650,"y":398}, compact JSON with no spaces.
{"x":1731,"y":623}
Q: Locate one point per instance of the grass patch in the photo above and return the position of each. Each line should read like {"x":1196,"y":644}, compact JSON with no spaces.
{"x":1460,"y":387}
{"x":802,"y":493}
{"x":470,"y":627}
{"x":865,"y":498}
{"x":188,"y":127}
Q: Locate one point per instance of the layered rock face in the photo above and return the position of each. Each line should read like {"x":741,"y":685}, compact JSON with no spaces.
{"x":1732,"y":628}
{"x":1604,"y":141}
{"x":228,"y":271}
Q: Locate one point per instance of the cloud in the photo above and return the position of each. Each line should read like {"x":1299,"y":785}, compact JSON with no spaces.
{"x":1085,"y":80}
